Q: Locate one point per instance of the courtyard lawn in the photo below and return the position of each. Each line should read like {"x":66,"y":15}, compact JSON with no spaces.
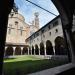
{"x":22,"y":65}
{"x":20,"y":58}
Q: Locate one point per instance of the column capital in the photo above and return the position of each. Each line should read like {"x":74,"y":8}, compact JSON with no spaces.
{"x":45,"y":45}
{"x":38,"y":46}
{"x":5,"y":47}
{"x":22,"y":48}
{"x":14,"y":48}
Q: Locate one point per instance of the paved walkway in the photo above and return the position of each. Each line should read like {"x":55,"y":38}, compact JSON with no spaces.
{"x":55,"y":70}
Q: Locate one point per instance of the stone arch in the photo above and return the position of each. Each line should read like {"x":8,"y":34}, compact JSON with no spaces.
{"x":36,"y":49}
{"x":18,"y":50}
{"x":32,"y":49}
{"x":42,"y":48}
{"x":25,"y":50}
{"x":9,"y":51}
{"x":49,"y":48}
{"x":60,"y":48}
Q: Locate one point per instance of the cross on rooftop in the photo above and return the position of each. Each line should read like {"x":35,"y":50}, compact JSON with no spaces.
{"x":21,"y":30}
{"x":10,"y":28}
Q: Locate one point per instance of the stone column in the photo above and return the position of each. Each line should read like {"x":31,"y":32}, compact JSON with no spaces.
{"x":31,"y":50}
{"x":39,"y":50}
{"x":71,"y":44}
{"x":21,"y":50}
{"x":45,"y":50}
{"x":14,"y":51}
{"x":54,"y":49}
{"x":28,"y":50}
{"x":34,"y":50}
{"x":5,"y":50}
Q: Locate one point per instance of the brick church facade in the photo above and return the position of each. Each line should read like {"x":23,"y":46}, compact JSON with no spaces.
{"x":17,"y":31}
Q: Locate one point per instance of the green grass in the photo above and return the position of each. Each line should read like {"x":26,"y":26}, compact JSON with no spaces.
{"x":22,"y":65}
{"x":20,"y":58}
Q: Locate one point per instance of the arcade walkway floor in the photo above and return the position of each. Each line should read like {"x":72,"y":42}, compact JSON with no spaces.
{"x":66,"y":69}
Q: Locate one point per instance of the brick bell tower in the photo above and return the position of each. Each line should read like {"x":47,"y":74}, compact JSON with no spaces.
{"x":36,"y":21}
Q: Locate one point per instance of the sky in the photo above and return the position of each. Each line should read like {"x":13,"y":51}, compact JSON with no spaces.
{"x":27,"y":10}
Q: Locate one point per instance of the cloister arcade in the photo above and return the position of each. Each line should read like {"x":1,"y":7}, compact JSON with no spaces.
{"x":42,"y":49}
{"x":15,"y":50}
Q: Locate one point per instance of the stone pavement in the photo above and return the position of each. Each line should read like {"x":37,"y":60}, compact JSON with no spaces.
{"x":55,"y":70}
